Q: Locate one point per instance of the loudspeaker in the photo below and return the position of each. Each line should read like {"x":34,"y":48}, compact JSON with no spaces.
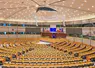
{"x":30,"y":49}
{"x":92,"y":59}
{"x":7,"y":59}
{"x":76,"y":54}
{"x":65,"y":50}
{"x":1,"y":63}
{"x":70,"y":53}
{"x":23,"y":52}
{"x":18,"y":53}
{"x":26,"y":50}
{"x":14,"y":56}
{"x":83,"y":57}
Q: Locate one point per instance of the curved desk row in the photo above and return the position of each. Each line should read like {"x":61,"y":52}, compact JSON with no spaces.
{"x":54,"y":35}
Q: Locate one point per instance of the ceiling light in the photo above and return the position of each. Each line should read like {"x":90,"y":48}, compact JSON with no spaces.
{"x":77,"y":14}
{"x":70,"y":5}
{"x":72,"y":2}
{"x":28,"y":7}
{"x":85,"y":0}
{"x":88,"y":9}
{"x":79,"y":7}
{"x":81,"y":4}
{"x":0,"y":13}
{"x":92,"y":6}
{"x":36,"y":5}
{"x":64,"y":15}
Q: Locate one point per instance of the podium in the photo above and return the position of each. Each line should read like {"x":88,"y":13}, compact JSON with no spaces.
{"x":54,"y":35}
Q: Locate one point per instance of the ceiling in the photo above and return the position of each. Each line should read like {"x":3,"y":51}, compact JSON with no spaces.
{"x":25,"y":10}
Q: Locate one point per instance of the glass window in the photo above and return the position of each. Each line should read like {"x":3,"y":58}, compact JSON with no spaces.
{"x":23,"y":25}
{"x":22,"y":32}
{"x":14,"y":32}
{"x":9,"y":24}
{"x":5,"y":33}
{"x":4,"y":24}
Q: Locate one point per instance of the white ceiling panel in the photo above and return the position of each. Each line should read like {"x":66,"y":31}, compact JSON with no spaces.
{"x":67,"y":10}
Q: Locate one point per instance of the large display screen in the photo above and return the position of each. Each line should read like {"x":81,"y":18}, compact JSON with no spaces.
{"x":52,"y":29}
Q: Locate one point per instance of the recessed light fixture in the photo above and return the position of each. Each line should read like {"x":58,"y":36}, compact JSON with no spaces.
{"x":85,"y":0}
{"x":0,"y":13}
{"x":70,"y":5}
{"x":79,"y":7}
{"x":92,"y":6}
{"x":82,"y":4}
{"x":72,"y":2}
{"x":28,"y":7}
{"x":36,"y":5}
{"x":88,"y":9}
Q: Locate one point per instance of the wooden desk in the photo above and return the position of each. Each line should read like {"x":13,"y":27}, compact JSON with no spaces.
{"x":51,"y":35}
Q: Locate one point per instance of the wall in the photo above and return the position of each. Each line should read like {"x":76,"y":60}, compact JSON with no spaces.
{"x":35,"y":30}
{"x":90,"y":31}
{"x":21,"y":36}
{"x":87,"y":41}
{"x":11,"y":29}
{"x":20,"y":29}
{"x":74,"y":30}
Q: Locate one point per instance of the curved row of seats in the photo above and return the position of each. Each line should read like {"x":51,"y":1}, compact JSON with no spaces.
{"x":12,"y":49}
{"x":83,"y":50}
{"x":60,"y":53}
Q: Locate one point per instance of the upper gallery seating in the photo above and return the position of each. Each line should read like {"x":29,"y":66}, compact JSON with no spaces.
{"x":61,"y":53}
